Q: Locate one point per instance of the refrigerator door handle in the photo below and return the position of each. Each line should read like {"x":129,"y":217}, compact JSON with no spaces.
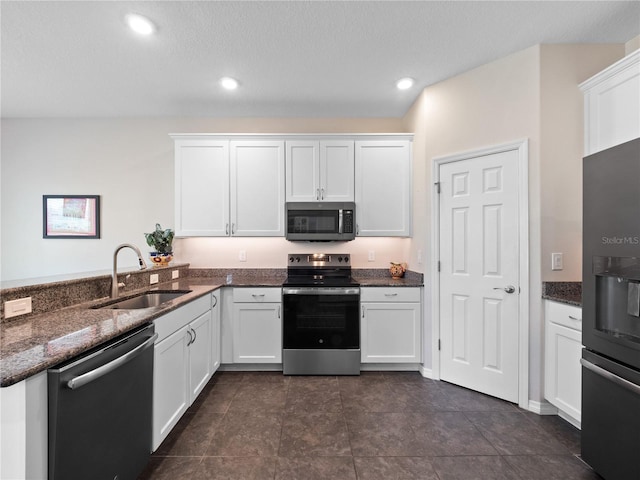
{"x":622,"y":382}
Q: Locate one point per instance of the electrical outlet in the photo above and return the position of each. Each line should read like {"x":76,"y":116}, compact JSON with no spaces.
{"x":20,"y":306}
{"x":242,"y":255}
{"x":372,"y":255}
{"x":556,"y":261}
{"x":175,"y":274}
{"x":153,"y":278}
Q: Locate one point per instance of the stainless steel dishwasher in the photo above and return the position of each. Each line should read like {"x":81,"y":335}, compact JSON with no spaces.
{"x":100,"y":410}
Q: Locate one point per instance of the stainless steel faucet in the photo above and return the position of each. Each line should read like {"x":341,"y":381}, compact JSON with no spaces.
{"x":114,"y":278}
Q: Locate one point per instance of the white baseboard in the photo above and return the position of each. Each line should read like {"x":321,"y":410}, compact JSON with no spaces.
{"x":542,"y":408}
{"x":390,"y":367}
{"x":568,"y":418}
{"x":426,"y":372}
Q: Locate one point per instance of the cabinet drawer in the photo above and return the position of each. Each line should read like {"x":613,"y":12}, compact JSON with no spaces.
{"x":257,"y":295}
{"x":176,"y":319}
{"x":566,"y":315}
{"x":390,"y":294}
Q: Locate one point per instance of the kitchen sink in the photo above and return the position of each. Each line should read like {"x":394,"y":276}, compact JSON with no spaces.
{"x":144,"y":300}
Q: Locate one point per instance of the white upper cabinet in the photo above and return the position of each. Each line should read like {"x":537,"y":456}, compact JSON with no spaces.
{"x":319,"y":171}
{"x":383,"y":188}
{"x":612,"y":105}
{"x":257,"y":188}
{"x":237,"y":185}
{"x":201,"y":187}
{"x":228,"y":188}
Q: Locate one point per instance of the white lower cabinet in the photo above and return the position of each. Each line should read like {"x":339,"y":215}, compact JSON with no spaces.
{"x":257,"y":325}
{"x":182,"y":363}
{"x":216,"y":345}
{"x":390,"y":327}
{"x":563,"y":350}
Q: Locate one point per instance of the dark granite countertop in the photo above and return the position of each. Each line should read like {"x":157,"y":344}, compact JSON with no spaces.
{"x":563,"y":292}
{"x":39,"y":341}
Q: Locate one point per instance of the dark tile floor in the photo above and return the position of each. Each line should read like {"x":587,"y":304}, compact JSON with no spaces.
{"x":390,"y":425}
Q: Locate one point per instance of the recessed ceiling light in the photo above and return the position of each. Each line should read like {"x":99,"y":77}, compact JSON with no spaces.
{"x":229,"y":83}
{"x":140,"y":24}
{"x":404,"y":83}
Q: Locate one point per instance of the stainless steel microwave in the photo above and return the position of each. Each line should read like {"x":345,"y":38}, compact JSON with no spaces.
{"x":321,"y":221}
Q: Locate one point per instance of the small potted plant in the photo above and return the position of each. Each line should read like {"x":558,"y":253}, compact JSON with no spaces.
{"x":161,"y":240}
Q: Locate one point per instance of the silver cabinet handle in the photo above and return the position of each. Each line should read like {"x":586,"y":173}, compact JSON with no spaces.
{"x":574,"y":318}
{"x":279,"y":311}
{"x":257,"y":295}
{"x":227,"y":229}
{"x":317,"y":194}
{"x":191,"y":339}
{"x":390,"y":294}
{"x":508,"y":288}
{"x":322,"y":194}
{"x":195,"y":335}
{"x":363,"y":312}
{"x":612,"y":377}
{"x":233,"y":228}
{"x":88,"y":377}
{"x":357,"y":229}
{"x":215,"y":301}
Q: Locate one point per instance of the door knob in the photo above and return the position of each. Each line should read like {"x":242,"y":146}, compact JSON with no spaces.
{"x":508,"y":288}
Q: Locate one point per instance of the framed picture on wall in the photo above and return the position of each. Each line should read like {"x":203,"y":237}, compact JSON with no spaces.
{"x":71,"y":216}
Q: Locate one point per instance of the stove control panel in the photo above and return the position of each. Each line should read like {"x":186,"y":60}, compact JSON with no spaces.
{"x":319,"y":259}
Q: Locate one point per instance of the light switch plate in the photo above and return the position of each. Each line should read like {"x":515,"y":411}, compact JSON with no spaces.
{"x":20,"y":306}
{"x":556,"y":261}
{"x":153,"y":278}
{"x":372,"y":255}
{"x":242,"y":255}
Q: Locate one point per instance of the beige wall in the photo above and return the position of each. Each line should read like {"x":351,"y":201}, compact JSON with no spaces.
{"x":562,"y":68}
{"x":129,"y":162}
{"x":532,"y":94}
{"x":632,"y":45}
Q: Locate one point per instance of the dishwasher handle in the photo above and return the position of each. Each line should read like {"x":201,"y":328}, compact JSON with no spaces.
{"x":79,"y":381}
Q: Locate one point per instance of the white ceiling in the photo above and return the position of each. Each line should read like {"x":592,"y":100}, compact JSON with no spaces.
{"x":292,"y":58}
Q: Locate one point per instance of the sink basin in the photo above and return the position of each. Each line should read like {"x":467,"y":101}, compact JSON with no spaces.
{"x":144,"y":300}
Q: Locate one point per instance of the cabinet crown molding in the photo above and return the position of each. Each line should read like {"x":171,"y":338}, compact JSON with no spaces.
{"x":628,"y":61}
{"x":292,"y":136}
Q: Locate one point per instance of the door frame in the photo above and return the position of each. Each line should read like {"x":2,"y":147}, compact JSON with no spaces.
{"x":522,"y":147}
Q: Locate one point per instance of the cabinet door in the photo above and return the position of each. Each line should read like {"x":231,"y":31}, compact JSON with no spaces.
{"x":612,"y":105}
{"x":390,"y":333}
{"x":563,"y":350}
{"x":563,"y":374}
{"x":170,"y":383}
{"x":383,"y":188}
{"x":199,"y":354}
{"x":257,"y":188}
{"x":257,"y":333}
{"x":215,"y":334}
{"x":201,"y":188}
{"x":337,"y":171}
{"x":302,"y":171}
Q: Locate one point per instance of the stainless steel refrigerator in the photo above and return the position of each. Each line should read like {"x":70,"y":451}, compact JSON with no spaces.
{"x":611,"y":312}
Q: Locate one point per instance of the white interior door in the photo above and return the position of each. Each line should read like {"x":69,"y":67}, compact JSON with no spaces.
{"x":479,"y":273}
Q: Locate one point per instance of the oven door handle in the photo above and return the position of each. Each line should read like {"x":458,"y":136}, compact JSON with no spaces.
{"x":320,"y":291}
{"x":621,"y":382}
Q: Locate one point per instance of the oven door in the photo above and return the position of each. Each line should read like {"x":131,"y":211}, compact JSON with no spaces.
{"x":321,"y":318}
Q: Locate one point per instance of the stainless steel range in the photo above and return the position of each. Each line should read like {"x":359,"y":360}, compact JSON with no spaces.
{"x":321,"y":323}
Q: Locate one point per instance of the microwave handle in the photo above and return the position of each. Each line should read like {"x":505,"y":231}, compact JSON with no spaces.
{"x":340,"y":221}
